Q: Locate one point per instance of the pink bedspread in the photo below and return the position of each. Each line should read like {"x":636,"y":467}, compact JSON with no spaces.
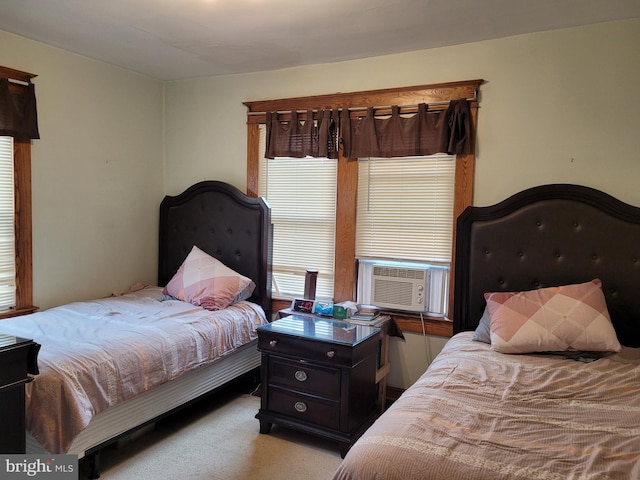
{"x":480,"y":415}
{"x":99,"y":353}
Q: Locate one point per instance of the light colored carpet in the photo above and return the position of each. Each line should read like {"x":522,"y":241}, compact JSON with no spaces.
{"x":219,"y":439}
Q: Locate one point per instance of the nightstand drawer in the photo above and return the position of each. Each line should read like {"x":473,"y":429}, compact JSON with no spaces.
{"x":325,"y":413}
{"x":303,"y":376}
{"x":321,"y":352}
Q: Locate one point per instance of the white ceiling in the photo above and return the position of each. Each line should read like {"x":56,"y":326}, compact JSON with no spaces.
{"x":176,"y":39}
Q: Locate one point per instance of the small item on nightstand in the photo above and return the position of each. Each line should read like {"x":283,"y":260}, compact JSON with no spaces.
{"x":303,"y":305}
{"x":323,"y":308}
{"x":368,"y":310}
{"x":310,"y":280}
{"x":350,"y":307}
{"x":339,"y":312}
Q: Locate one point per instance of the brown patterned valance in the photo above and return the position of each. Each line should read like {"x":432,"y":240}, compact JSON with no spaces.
{"x":424,"y":133}
{"x":18,"y":113}
{"x":302,"y":134}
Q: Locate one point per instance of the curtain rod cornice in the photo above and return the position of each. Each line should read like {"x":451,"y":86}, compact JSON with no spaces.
{"x":402,"y":96}
{"x":16,"y":76}
{"x":410,"y":107}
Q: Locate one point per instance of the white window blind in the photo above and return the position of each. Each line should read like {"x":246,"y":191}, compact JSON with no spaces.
{"x":302,"y":196}
{"x":7,"y":226}
{"x":405,"y":208}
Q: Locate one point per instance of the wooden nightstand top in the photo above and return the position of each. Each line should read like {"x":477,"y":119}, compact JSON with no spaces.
{"x":321,"y":329}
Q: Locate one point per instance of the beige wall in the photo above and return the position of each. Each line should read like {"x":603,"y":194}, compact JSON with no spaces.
{"x":97,"y":173}
{"x":560,"y":106}
{"x":556,"y":106}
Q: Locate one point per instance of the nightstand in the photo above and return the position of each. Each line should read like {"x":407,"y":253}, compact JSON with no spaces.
{"x":319,"y":376}
{"x":386,"y":325}
{"x":18,"y":359}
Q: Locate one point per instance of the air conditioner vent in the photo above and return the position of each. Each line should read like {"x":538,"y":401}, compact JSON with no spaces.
{"x":390,"y":292}
{"x":398,"y":272}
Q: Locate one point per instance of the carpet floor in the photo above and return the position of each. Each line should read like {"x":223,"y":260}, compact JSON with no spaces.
{"x":218,"y":439}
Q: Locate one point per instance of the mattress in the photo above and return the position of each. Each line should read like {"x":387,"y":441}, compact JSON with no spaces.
{"x":98,"y":354}
{"x":478,"y":414}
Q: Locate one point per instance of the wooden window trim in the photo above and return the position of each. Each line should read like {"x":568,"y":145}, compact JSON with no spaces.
{"x":357,"y":102}
{"x":23,"y":215}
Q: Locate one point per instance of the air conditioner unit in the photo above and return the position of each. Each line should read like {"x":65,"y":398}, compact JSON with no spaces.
{"x":400,"y":288}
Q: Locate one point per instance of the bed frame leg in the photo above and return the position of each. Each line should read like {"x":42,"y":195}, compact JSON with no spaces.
{"x":94,"y":465}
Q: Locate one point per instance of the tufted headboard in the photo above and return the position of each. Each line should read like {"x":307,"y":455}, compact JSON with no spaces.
{"x":226,"y":224}
{"x":547,"y":236}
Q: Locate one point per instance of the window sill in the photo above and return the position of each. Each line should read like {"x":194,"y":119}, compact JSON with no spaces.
{"x":17,"y":313}
{"x":442,"y":327}
{"x":278,"y":304}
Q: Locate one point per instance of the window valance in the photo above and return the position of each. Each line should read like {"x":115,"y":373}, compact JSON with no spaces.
{"x":18,"y":113}
{"x":427,"y":132}
{"x":319,"y":134}
{"x":304,"y":134}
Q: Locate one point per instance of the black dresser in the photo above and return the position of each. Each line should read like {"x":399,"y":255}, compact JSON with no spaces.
{"x":18,"y":362}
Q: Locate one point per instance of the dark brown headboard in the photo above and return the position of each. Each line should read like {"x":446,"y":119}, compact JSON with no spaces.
{"x":225,"y":223}
{"x":547,"y":236}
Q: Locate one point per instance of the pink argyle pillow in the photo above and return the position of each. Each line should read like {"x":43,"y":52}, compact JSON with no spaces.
{"x":569,"y":317}
{"x":205,"y":281}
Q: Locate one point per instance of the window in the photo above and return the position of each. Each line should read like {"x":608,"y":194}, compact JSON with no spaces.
{"x":20,"y":128}
{"x":405,"y":214}
{"x":405,"y":208}
{"x":345,"y":263}
{"x":7,"y":231}
{"x":302,"y":196}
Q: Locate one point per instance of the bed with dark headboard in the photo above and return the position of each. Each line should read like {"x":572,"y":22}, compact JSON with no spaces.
{"x":531,"y":266}
{"x":546,"y":236}
{"x":225,"y":223}
{"x":229,"y":227}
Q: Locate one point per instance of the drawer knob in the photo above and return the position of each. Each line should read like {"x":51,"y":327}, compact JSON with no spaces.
{"x":331,"y":354}
{"x":300,"y":407}
{"x":300,"y":375}
{"x":273,"y":343}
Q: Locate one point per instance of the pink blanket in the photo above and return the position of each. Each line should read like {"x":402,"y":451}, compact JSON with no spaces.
{"x":99,"y":353}
{"x":482,"y":415}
